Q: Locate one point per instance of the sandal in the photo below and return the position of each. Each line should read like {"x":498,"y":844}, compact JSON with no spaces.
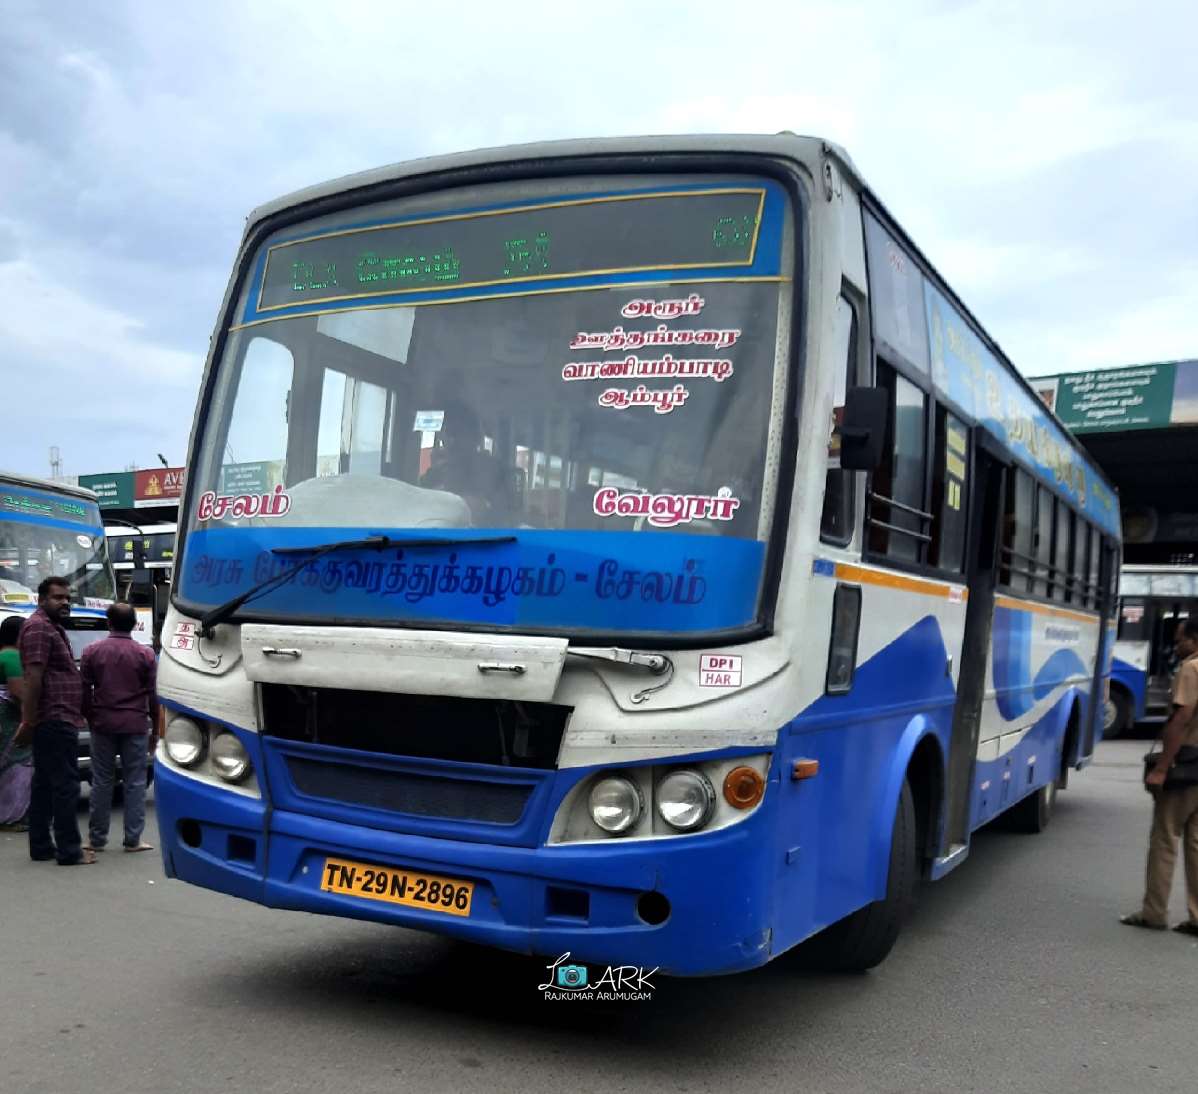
{"x":1137,"y":920}
{"x":1187,"y":927}
{"x":87,"y":857}
{"x":143,"y":846}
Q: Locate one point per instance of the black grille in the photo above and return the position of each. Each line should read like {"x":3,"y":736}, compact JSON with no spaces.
{"x":409,"y":792}
{"x":498,"y":732}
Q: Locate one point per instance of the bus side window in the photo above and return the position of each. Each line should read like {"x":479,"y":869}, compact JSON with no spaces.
{"x":1043,"y":541}
{"x":836,"y":523}
{"x":897,"y":520}
{"x":1081,"y":547}
{"x":1062,"y":544}
{"x":1094,"y":591}
{"x":1017,"y":560}
{"x":950,"y":493}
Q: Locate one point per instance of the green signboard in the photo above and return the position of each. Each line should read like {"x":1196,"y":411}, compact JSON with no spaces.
{"x":114,"y":491}
{"x":1143,"y":397}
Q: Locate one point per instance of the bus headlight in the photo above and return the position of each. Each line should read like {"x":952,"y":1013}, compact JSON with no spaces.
{"x":685,"y":800}
{"x":616,"y":804}
{"x":229,"y":757}
{"x":184,"y":742}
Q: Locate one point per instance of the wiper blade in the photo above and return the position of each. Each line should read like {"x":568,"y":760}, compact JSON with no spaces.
{"x":371,"y":543}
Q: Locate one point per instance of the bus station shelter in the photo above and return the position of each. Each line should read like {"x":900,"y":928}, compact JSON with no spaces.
{"x":1141,"y":425}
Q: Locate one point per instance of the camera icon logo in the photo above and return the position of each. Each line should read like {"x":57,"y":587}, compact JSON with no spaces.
{"x":571,"y":976}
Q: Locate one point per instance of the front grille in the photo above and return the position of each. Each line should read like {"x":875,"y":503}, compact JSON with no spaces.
{"x":409,"y":792}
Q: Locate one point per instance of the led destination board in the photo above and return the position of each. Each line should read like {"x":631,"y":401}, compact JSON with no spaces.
{"x":698,"y":229}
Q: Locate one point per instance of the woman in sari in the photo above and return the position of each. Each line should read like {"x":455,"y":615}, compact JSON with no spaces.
{"x":16,"y":764}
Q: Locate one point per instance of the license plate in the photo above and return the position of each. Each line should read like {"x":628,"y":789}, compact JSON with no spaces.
{"x":407,"y":887}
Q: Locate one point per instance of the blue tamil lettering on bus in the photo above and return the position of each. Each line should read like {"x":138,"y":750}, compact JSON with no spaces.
{"x":967,"y":372}
{"x":597,"y":580}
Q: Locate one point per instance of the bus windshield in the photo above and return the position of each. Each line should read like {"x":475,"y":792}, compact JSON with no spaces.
{"x":593,"y":369}
{"x":44,"y":534}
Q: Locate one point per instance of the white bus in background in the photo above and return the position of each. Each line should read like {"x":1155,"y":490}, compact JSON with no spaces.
{"x":143,"y":557}
{"x":47,"y":529}
{"x":1153,"y":599}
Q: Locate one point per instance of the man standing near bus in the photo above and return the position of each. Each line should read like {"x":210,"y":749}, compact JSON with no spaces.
{"x":1175,"y":809}
{"x":121,"y":704}
{"x":52,"y":715}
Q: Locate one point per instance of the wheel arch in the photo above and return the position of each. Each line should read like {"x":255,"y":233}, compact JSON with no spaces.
{"x":921,"y":753}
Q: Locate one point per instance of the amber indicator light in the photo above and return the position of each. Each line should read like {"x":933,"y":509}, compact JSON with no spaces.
{"x":743,"y":788}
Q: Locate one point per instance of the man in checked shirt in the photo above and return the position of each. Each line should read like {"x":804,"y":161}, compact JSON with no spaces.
{"x":51,"y":717}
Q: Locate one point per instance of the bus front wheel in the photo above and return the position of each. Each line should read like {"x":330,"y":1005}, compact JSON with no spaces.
{"x":863,"y":939}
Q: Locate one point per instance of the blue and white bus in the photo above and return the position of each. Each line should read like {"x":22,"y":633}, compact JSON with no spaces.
{"x":630,"y":548}
{"x":1153,"y":599}
{"x":49,"y":528}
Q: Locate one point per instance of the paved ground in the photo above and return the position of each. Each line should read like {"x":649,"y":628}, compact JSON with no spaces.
{"x":1014,"y":976}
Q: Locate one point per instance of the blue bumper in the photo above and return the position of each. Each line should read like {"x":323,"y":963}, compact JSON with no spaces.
{"x":526,"y":899}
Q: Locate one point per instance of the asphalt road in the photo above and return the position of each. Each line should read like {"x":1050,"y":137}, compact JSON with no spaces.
{"x":1015,"y":975}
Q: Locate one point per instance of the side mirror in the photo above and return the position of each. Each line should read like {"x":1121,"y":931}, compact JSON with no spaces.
{"x":141,"y":581}
{"x":162,"y":601}
{"x":863,"y":428}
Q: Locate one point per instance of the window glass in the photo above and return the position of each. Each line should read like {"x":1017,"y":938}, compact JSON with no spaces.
{"x":366,"y":428}
{"x":1095,"y":555}
{"x":256,"y":443}
{"x":1081,"y":547}
{"x":1134,"y":624}
{"x":896,"y":295}
{"x":950,"y":492}
{"x":1044,"y":516}
{"x":898,"y":522}
{"x":1061,"y":548}
{"x":1017,"y":531}
{"x":836,"y":522}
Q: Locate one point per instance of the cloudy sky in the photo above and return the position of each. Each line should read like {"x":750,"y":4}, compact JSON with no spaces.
{"x":1043,"y":155}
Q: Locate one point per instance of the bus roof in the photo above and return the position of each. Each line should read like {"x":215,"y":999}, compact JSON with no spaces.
{"x":47,"y":484}
{"x":784,"y":145}
{"x":787,"y":145}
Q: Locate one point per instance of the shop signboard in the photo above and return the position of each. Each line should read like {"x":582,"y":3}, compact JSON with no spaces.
{"x":113,"y":491}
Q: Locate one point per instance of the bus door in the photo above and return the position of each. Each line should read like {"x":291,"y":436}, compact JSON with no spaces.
{"x":981,"y":573}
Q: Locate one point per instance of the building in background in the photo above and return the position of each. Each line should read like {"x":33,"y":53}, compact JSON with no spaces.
{"x":140,"y":509}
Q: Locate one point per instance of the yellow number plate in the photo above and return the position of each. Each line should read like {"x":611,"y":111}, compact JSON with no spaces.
{"x":428,"y":891}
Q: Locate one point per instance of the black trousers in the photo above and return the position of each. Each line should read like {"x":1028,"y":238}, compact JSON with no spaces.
{"x":55,"y":794}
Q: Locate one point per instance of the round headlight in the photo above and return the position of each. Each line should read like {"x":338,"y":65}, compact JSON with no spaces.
{"x":615,"y":804}
{"x":685,"y":800}
{"x":229,"y":757}
{"x":184,"y":742}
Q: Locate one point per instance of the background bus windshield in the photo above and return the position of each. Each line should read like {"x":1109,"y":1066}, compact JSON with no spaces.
{"x":31,"y":550}
{"x":610,"y":408}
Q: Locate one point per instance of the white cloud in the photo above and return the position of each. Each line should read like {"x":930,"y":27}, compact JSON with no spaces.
{"x":134,"y":139}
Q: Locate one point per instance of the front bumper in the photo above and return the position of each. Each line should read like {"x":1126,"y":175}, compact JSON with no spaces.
{"x":526,"y":899}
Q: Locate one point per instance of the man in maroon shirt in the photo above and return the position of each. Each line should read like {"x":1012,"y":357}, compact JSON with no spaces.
{"x":121,"y":704}
{"x":52,"y":715}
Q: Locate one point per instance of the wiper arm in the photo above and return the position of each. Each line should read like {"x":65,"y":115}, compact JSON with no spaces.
{"x":657,"y":663}
{"x":371,"y":543}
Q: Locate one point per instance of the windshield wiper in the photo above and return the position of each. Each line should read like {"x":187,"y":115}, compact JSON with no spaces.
{"x":371,"y":543}
{"x":656,"y":663}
